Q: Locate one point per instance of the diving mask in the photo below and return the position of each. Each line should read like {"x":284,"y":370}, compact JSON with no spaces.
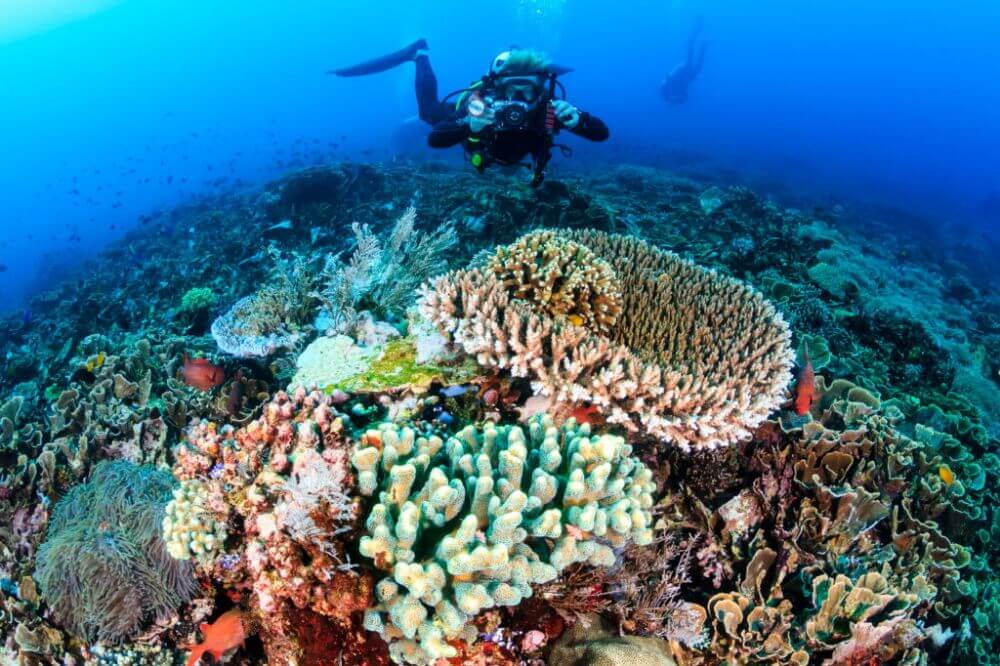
{"x":526,"y":89}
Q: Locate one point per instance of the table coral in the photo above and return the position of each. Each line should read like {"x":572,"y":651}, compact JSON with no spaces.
{"x":695,"y":358}
{"x":473,"y":521}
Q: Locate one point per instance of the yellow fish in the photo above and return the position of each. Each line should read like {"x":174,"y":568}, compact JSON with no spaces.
{"x":946,"y":475}
{"x":576,"y":320}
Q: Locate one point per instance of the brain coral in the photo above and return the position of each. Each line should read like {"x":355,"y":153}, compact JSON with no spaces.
{"x":694,"y":358}
{"x":561,"y":277}
{"x":472,"y":522}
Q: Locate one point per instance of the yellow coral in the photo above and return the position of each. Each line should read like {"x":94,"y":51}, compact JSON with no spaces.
{"x":190,"y":528}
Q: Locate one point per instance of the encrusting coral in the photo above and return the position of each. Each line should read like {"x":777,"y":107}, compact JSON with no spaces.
{"x":464,"y":524}
{"x":695,"y":358}
{"x":104,"y":569}
{"x":260,"y":324}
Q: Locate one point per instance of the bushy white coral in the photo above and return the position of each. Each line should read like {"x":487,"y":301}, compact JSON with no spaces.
{"x":382,"y":274}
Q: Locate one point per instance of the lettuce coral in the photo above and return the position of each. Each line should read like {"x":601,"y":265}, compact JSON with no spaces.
{"x":695,"y":358}
{"x":472,"y":522}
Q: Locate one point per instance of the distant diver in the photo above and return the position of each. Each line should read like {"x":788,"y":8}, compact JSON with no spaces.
{"x":675,"y":88}
{"x":511,"y":113}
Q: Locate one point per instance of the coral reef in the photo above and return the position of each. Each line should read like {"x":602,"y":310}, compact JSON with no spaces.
{"x":864,"y":531}
{"x":459,"y":523}
{"x":695,"y":358}
{"x":283,"y":478}
{"x":103,"y":569}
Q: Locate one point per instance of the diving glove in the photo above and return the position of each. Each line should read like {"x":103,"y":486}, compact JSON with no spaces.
{"x":566,"y":113}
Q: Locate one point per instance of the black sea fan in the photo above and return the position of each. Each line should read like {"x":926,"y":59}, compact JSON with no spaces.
{"x":104,"y":569}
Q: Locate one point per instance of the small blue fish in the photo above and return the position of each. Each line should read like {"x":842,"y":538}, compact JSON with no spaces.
{"x":454,"y":391}
{"x":446,"y":418}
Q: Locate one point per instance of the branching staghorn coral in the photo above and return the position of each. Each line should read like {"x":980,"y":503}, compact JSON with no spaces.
{"x":473,"y":522}
{"x":382,"y":275}
{"x":695,"y":358}
{"x":561,"y":277}
{"x":104,"y":569}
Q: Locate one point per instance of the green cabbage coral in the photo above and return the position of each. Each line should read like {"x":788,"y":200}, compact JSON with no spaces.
{"x":472,"y":522}
{"x":104,"y":569}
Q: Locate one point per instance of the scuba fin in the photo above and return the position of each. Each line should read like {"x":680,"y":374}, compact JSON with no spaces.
{"x":383,"y":63}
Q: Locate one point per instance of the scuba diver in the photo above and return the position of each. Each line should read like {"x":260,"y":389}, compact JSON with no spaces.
{"x":510,"y":114}
{"x":675,"y":87}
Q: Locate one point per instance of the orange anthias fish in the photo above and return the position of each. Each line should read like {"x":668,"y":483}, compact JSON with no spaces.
{"x":219,"y":637}
{"x":805,"y":386}
{"x":201,"y":374}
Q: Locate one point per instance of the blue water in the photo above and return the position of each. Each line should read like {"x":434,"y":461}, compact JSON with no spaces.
{"x":113,"y":110}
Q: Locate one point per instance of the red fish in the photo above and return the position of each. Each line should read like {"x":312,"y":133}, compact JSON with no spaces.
{"x":587,"y":414}
{"x":201,"y":374}
{"x":805,"y":386}
{"x":219,"y":637}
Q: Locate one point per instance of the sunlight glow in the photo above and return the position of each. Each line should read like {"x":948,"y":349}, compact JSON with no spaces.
{"x":24,"y":18}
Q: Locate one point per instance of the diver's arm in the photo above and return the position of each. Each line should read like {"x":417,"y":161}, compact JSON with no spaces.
{"x":448,"y":133}
{"x":591,"y":127}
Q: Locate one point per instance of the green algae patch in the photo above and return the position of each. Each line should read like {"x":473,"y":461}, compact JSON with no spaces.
{"x":396,"y":367}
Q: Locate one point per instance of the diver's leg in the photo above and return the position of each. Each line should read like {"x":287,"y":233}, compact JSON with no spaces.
{"x":381,"y":64}
{"x":692,"y":39}
{"x":432,"y":110}
{"x":701,"y":58}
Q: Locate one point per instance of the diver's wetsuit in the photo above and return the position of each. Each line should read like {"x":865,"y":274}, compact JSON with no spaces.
{"x":508,"y":147}
{"x":675,"y":87}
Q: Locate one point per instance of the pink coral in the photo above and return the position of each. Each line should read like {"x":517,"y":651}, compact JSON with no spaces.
{"x":286,"y":476}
